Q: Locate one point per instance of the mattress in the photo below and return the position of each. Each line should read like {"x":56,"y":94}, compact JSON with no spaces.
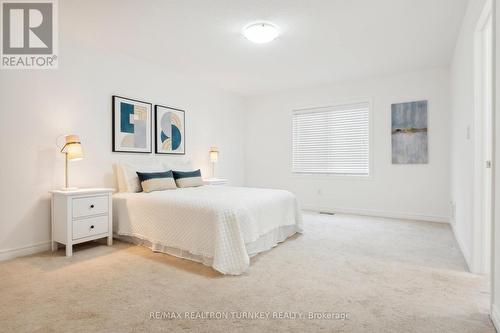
{"x":219,"y":226}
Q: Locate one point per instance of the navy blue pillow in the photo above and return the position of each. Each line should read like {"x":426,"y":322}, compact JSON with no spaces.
{"x":188,"y":178}
{"x":157,"y":181}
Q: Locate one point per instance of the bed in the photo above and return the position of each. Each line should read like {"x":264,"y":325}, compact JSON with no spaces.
{"x":219,"y":226}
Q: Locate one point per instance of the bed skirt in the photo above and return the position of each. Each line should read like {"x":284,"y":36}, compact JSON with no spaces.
{"x":262,"y":244}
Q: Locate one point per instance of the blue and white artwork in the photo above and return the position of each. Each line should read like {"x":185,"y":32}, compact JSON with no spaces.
{"x":170,"y":124}
{"x":409,"y":133}
{"x":131,"y":125}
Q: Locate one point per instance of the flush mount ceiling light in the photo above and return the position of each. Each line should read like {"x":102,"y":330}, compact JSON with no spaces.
{"x":261,"y":32}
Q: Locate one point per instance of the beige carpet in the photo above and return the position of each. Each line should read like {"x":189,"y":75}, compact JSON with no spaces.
{"x":385,"y":275}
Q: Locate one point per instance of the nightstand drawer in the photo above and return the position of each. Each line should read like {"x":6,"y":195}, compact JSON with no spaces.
{"x":80,"y":216}
{"x":90,"y":227}
{"x":90,"y":206}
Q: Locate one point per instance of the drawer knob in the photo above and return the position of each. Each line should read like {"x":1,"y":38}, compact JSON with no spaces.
{"x":92,"y":206}
{"x":91,"y":227}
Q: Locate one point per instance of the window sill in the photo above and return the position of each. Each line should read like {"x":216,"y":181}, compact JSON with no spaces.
{"x":331,"y":176}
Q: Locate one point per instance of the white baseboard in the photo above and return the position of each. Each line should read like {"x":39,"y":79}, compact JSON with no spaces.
{"x":495,"y":317}
{"x":380,"y":213}
{"x":24,"y":251}
{"x":465,"y":251}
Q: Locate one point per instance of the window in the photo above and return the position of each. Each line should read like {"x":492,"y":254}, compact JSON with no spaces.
{"x":332,"y":140}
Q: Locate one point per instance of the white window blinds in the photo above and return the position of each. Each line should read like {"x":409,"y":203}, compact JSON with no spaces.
{"x":332,"y":140}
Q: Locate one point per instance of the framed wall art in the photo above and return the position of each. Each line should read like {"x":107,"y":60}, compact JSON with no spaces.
{"x":132,"y":121}
{"x":409,"y":133}
{"x":170,"y":126}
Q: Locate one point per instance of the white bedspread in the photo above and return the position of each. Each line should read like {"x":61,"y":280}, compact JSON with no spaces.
{"x":220,"y":226}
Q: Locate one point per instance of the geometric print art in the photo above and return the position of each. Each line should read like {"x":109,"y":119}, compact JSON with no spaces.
{"x":132,"y":125}
{"x":169,"y":130}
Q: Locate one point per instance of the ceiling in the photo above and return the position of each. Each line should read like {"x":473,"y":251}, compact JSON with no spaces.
{"x":321,"y":42}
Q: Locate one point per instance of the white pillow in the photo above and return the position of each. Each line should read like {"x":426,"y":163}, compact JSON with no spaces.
{"x":120,"y":178}
{"x":128,"y":181}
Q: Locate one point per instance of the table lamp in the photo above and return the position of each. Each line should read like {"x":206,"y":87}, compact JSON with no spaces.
{"x":73,"y":152}
{"x":214,"y":157}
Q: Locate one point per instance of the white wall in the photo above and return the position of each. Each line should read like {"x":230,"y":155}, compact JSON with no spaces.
{"x":37,"y":106}
{"x":462,"y":118}
{"x":495,"y":279}
{"x":408,"y":191}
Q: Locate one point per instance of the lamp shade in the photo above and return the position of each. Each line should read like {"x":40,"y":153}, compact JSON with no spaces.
{"x":214,"y":155}
{"x":73,"y":148}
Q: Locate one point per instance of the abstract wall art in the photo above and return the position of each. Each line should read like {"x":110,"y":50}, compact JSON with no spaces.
{"x":169,"y":127}
{"x":131,"y":125}
{"x":409,"y":133}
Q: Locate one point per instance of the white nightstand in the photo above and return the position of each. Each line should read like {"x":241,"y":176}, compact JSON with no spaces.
{"x":214,"y":181}
{"x":80,"y":216}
